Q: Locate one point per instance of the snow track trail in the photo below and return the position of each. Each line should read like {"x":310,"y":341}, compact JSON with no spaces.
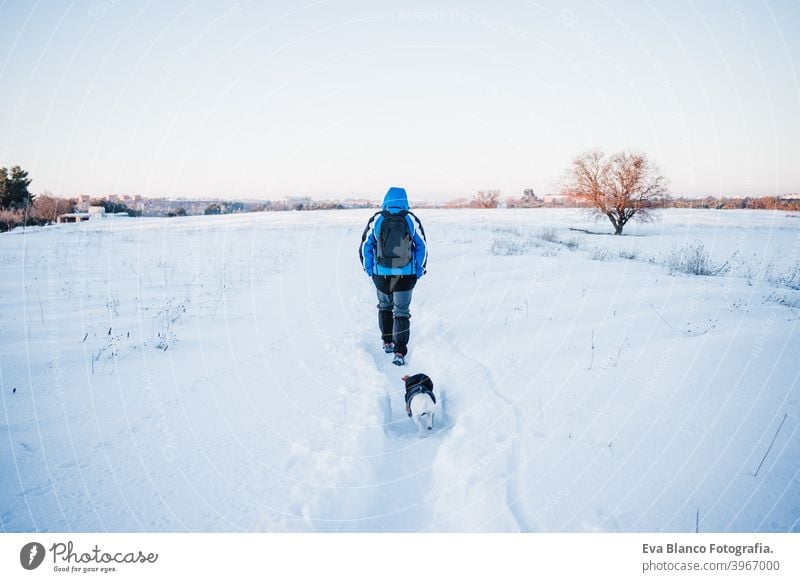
{"x":434,"y":482}
{"x":474,"y":369}
{"x":485,"y":417}
{"x":407,"y":458}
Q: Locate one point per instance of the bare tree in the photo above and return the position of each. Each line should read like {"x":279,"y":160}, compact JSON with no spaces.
{"x":47,"y":207}
{"x":529,"y":198}
{"x":621,"y":186}
{"x":486,"y":199}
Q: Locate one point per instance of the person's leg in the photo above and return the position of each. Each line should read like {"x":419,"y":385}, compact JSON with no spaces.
{"x":385,"y":316}
{"x":402,"y":326}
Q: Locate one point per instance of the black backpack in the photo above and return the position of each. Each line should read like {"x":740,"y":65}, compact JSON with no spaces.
{"x":394,"y":241}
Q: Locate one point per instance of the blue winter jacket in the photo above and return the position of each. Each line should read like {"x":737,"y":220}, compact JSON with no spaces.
{"x":395,"y":201}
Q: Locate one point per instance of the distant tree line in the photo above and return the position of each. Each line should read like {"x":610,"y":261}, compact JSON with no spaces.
{"x":790,"y":202}
{"x":19,"y":207}
{"x":492,"y":199}
{"x":216,"y":208}
{"x":115,"y":207}
{"x":287,"y":204}
{"x":620,"y":187}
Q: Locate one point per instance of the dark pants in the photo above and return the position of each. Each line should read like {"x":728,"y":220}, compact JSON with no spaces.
{"x":393,"y":318}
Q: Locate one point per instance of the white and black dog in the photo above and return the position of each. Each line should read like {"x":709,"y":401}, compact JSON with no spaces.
{"x":420,"y":401}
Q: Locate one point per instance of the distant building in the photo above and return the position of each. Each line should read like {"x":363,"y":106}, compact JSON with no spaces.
{"x":83,"y":203}
{"x":72,"y":217}
{"x":94,"y":213}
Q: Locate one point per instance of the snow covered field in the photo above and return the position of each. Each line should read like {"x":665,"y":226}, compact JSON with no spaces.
{"x":225,"y":374}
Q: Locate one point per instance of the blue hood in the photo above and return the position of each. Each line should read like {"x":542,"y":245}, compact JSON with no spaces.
{"x":395,"y":199}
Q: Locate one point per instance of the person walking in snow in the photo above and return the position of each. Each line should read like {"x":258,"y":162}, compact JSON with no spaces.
{"x":394,"y":254}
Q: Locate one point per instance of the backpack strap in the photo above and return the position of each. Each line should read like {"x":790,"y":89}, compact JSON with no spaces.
{"x":419,"y":224}
{"x":365,"y":234}
{"x":422,"y":234}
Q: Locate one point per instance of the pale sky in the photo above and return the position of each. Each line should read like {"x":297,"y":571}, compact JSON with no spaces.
{"x":332,"y":99}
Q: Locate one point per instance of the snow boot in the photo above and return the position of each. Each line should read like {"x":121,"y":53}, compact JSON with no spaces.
{"x":388,"y":347}
{"x":399,"y":360}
